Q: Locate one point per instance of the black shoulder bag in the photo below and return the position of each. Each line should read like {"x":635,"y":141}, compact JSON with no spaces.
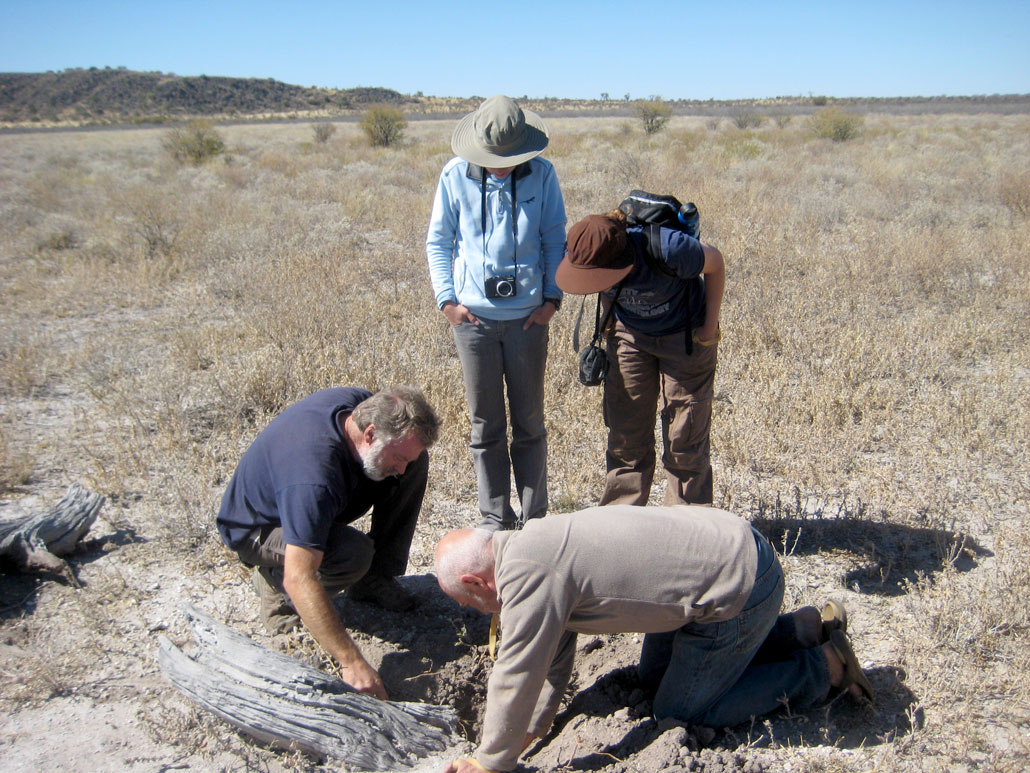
{"x":593,"y":361}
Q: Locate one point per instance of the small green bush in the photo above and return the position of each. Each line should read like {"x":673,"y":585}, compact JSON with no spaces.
{"x":836,"y":124}
{"x":195,"y":143}
{"x":384,"y":126}
{"x":653,"y":114}
{"x":742,"y":148}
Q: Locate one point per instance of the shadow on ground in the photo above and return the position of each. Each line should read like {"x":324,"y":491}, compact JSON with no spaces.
{"x":609,"y":722}
{"x":891,"y":555}
{"x":19,"y":587}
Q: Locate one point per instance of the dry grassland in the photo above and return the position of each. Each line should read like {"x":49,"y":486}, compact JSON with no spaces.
{"x":871,"y":408}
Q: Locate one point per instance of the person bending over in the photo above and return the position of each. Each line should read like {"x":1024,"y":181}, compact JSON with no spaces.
{"x":318,"y":466}
{"x":662,"y":345}
{"x":702,"y":585}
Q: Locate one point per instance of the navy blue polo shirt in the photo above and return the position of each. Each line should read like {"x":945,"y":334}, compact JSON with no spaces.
{"x":299,"y":473}
{"x":656,"y":304}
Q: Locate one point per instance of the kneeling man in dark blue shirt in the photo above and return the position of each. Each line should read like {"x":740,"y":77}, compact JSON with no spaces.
{"x":318,"y":466}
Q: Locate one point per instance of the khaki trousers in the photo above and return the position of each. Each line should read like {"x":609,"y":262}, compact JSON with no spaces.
{"x":642,"y":370}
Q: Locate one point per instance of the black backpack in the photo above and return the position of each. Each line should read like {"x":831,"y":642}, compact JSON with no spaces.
{"x":643,"y":209}
{"x":655,"y":210}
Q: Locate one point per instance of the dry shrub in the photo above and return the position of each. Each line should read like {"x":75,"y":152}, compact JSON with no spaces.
{"x":15,"y":465}
{"x":22,"y":366}
{"x":154,"y":222}
{"x":1014,"y":188}
{"x":742,"y":147}
{"x":194,"y":144}
{"x":276,"y":161}
{"x":653,"y":114}
{"x":323,"y":131}
{"x":384,"y":126}
{"x":835,"y":123}
{"x":747,"y":119}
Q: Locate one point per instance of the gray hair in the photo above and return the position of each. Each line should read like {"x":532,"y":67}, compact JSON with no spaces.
{"x":396,"y":412}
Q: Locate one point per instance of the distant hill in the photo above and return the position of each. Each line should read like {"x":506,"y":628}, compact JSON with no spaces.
{"x":117,"y":95}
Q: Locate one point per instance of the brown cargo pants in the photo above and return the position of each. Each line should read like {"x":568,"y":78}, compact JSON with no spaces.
{"x":641,"y":369}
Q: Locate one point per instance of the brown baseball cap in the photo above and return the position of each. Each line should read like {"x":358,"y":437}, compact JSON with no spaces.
{"x":598,"y":256}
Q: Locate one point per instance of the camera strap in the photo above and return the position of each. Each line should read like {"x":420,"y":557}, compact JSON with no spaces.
{"x":514,"y":215}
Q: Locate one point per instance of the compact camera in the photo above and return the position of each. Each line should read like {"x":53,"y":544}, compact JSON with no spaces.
{"x":501,"y":287}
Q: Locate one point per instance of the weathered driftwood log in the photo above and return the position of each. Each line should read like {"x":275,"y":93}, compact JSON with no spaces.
{"x":36,"y":541}
{"x":280,"y":701}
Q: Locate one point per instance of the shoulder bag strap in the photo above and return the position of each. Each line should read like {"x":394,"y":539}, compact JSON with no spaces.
{"x":599,"y":324}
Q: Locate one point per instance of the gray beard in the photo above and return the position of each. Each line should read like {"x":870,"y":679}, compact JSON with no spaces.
{"x":372,"y":460}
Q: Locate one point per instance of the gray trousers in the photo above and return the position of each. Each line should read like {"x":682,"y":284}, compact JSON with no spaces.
{"x":496,"y":355}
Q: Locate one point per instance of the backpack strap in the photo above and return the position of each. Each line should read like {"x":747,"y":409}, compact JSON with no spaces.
{"x":653,"y":251}
{"x":599,"y":326}
{"x":653,"y":257}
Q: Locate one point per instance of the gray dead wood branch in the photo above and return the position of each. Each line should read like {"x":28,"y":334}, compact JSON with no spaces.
{"x":37,"y":541}
{"x":280,"y":701}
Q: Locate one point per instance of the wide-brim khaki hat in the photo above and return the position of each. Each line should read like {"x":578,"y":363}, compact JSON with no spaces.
{"x":499,"y":134}
{"x":599,"y":256}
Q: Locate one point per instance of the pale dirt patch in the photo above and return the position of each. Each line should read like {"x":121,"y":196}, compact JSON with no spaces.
{"x":105,"y":706}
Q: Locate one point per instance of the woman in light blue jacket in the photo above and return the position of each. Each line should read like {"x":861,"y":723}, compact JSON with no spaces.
{"x":496,"y":237}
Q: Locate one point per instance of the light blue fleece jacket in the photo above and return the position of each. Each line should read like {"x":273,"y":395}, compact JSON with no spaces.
{"x":461,"y":256}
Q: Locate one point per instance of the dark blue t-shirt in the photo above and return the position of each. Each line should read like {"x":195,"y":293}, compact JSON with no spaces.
{"x":655,"y":304}
{"x":298,"y":473}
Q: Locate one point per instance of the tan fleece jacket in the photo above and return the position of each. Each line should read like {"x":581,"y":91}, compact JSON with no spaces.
{"x":602,"y":570}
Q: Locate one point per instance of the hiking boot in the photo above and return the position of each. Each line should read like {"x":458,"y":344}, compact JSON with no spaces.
{"x":853,"y":674}
{"x":834,"y":618}
{"x":382,"y":591}
{"x":277,"y":613}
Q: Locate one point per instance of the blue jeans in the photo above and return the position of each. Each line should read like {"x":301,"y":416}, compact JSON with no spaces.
{"x":495,"y":354}
{"x":704,"y":671}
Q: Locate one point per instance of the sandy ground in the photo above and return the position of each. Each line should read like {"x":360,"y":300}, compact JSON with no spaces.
{"x":96,"y":700}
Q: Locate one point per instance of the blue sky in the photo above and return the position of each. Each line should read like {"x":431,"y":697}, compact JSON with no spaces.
{"x":575,"y":49}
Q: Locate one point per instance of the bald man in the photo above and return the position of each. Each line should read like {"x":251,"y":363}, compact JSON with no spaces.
{"x":701,"y":583}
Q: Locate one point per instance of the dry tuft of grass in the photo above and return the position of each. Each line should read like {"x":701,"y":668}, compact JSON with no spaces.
{"x":15,"y":464}
{"x":1014,"y":189}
